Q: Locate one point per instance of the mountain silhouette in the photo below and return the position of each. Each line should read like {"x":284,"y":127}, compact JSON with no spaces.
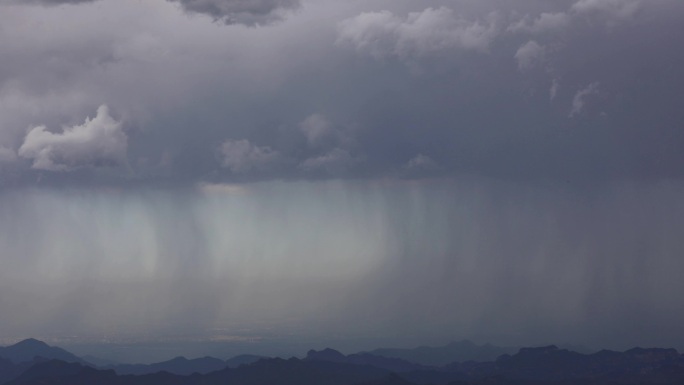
{"x":99,"y":362}
{"x":387,"y":363}
{"x":460,"y":351}
{"x":9,"y":370}
{"x":60,"y":372}
{"x":391,"y":379}
{"x":546,"y":365}
{"x":179,"y":365}
{"x":28,"y":349}
{"x":293,"y":371}
{"x":551,"y":365}
{"x":242,"y":359}
{"x":274,"y":371}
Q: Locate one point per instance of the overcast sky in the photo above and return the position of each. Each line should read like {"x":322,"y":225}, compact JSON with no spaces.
{"x":504,"y":170}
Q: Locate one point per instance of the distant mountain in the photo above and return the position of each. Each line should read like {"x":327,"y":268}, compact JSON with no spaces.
{"x":28,"y":349}
{"x":179,"y":365}
{"x":391,"y":379}
{"x":553,"y":366}
{"x":10,"y":370}
{"x":99,"y":362}
{"x":529,"y":366}
{"x":274,"y":371}
{"x":460,"y":351}
{"x":293,"y":371}
{"x":183,"y":366}
{"x":243,"y":359}
{"x":387,"y":363}
{"x":56,"y":372}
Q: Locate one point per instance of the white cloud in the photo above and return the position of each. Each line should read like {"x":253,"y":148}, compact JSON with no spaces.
{"x":579,"y":102}
{"x":529,"y":55}
{"x":241,"y":156}
{"x":546,"y":22}
{"x":97,"y":142}
{"x":553,"y":91}
{"x":432,"y":31}
{"x":334,"y":162}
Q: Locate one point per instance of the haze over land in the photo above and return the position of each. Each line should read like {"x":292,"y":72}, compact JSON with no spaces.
{"x":379,"y":173}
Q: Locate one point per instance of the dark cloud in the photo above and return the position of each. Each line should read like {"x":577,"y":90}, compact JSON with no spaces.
{"x":572,"y":90}
{"x":48,"y":2}
{"x":249,"y":12}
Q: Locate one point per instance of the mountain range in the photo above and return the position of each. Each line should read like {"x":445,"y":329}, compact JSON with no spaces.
{"x":528,"y":366}
{"x":28,"y":349}
{"x":442,"y":355}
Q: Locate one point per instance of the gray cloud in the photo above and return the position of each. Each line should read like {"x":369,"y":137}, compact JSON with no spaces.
{"x":546,"y":22}
{"x":241,"y":156}
{"x":334,"y":163}
{"x":247,"y":12}
{"x":421,"y":163}
{"x":529,"y":55}
{"x":47,"y":2}
{"x":98,"y":142}
{"x":453,"y":84}
{"x":319,"y":131}
{"x":579,"y":100}
{"x":617,"y":8}
{"x":607,"y":11}
{"x":250,"y":12}
{"x":432,"y":31}
{"x":553,"y":90}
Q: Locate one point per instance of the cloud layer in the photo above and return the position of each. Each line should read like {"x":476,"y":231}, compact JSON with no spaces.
{"x":433,"y":31}
{"x":481,"y":89}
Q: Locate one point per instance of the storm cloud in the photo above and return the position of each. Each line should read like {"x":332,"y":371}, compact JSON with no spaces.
{"x":249,"y":12}
{"x":47,"y":2}
{"x":481,"y":89}
{"x":503,"y":170}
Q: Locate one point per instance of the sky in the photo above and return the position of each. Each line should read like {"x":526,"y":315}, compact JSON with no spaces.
{"x":509,"y":171}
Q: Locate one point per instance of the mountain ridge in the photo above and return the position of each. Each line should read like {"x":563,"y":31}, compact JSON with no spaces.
{"x":463,"y":350}
{"x":30,"y":348}
{"x":528,"y":366}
